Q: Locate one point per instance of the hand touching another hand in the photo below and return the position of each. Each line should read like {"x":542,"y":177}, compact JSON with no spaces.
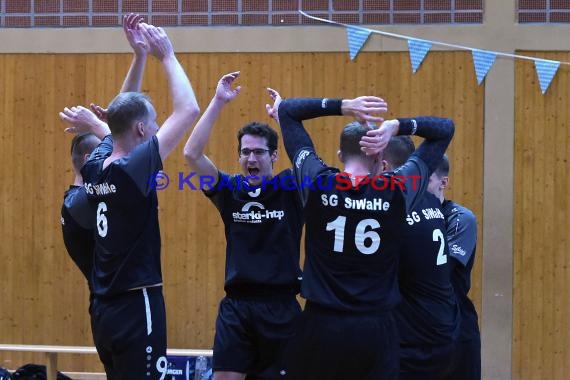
{"x":365,"y":108}
{"x":82,"y":120}
{"x":159,"y":43}
{"x":99,"y":111}
{"x":376,"y":140}
{"x":131,"y":26}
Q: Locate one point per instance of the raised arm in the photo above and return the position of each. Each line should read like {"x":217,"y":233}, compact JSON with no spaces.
{"x":436,"y":131}
{"x":133,"y":80}
{"x":272,"y":109}
{"x":416,"y":171}
{"x":185,"y":107}
{"x":194,"y":148}
{"x":82,"y":120}
{"x":293,"y":111}
{"x":133,"y":32}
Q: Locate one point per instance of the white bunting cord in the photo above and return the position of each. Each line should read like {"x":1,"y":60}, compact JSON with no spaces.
{"x":418,"y":48}
{"x":401,"y":36}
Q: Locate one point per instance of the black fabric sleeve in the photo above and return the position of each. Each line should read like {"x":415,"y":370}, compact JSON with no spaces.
{"x":437,"y":133}
{"x":217,"y":194}
{"x":307,"y":166}
{"x":414,"y":174}
{"x":142,"y":164}
{"x":461,"y":233}
{"x":104,"y":149}
{"x":77,"y":205}
{"x":291,"y":114}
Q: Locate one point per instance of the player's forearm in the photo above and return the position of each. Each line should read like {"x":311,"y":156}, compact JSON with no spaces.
{"x":183,"y":97}
{"x":185,"y":107}
{"x":194,"y":148}
{"x":300,"y":109}
{"x":100,"y":129}
{"x":428,"y":127}
{"x":437,"y":132}
{"x":133,"y":80}
{"x":295,"y":137}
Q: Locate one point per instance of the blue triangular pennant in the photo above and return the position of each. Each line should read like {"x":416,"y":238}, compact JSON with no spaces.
{"x":483,"y":60}
{"x":418,"y":50}
{"x":356,"y":39}
{"x":545,"y":69}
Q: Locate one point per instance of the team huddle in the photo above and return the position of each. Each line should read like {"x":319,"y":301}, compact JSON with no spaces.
{"x":387,"y":263}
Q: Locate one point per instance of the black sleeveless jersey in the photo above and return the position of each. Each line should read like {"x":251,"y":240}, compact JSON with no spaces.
{"x":353,"y":236}
{"x":77,"y":228}
{"x":428,"y":313}
{"x":263,"y":232}
{"x":462,"y":239}
{"x":127,"y":235}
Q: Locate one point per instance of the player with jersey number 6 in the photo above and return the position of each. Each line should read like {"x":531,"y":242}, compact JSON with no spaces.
{"x":128,"y":313}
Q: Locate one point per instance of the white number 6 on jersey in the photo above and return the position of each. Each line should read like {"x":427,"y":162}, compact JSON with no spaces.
{"x":102,"y":219}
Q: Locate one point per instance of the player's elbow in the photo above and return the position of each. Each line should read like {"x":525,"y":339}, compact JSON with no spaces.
{"x":191,"y":154}
{"x":187,"y":110}
{"x":191,"y":111}
{"x":449,"y":127}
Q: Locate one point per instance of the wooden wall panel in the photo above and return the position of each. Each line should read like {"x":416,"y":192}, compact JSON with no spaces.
{"x":541,"y":246}
{"x":44,"y":299}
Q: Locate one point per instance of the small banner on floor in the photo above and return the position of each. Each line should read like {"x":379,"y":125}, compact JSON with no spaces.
{"x":189,"y":368}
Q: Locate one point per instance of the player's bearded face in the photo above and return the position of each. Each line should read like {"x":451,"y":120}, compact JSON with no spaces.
{"x":258,"y":164}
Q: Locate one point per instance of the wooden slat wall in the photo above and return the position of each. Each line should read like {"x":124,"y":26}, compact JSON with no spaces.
{"x":44,"y":299}
{"x":541,"y":247}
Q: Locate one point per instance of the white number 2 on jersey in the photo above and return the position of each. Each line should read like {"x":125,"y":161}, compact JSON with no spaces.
{"x":102,"y":219}
{"x":441,"y":257}
{"x":361,"y":236}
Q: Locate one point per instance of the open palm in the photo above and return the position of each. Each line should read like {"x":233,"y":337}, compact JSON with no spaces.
{"x":133,"y":32}
{"x":224,"y":89}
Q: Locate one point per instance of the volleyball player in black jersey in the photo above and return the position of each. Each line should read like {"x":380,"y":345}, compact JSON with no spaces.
{"x":263,"y":221}
{"x":77,"y":217}
{"x":428,"y":316}
{"x":462,"y":240}
{"x":128,"y":317}
{"x":76,"y":222}
{"x":353,"y":237}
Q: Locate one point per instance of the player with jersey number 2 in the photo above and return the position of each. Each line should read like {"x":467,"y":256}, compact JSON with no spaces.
{"x":462,"y":239}
{"x":428,"y":316}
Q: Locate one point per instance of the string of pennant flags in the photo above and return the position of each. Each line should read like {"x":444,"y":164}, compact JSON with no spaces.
{"x":418,"y":48}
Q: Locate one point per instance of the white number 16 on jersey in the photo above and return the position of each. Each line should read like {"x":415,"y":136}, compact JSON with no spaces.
{"x":367,"y":242}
